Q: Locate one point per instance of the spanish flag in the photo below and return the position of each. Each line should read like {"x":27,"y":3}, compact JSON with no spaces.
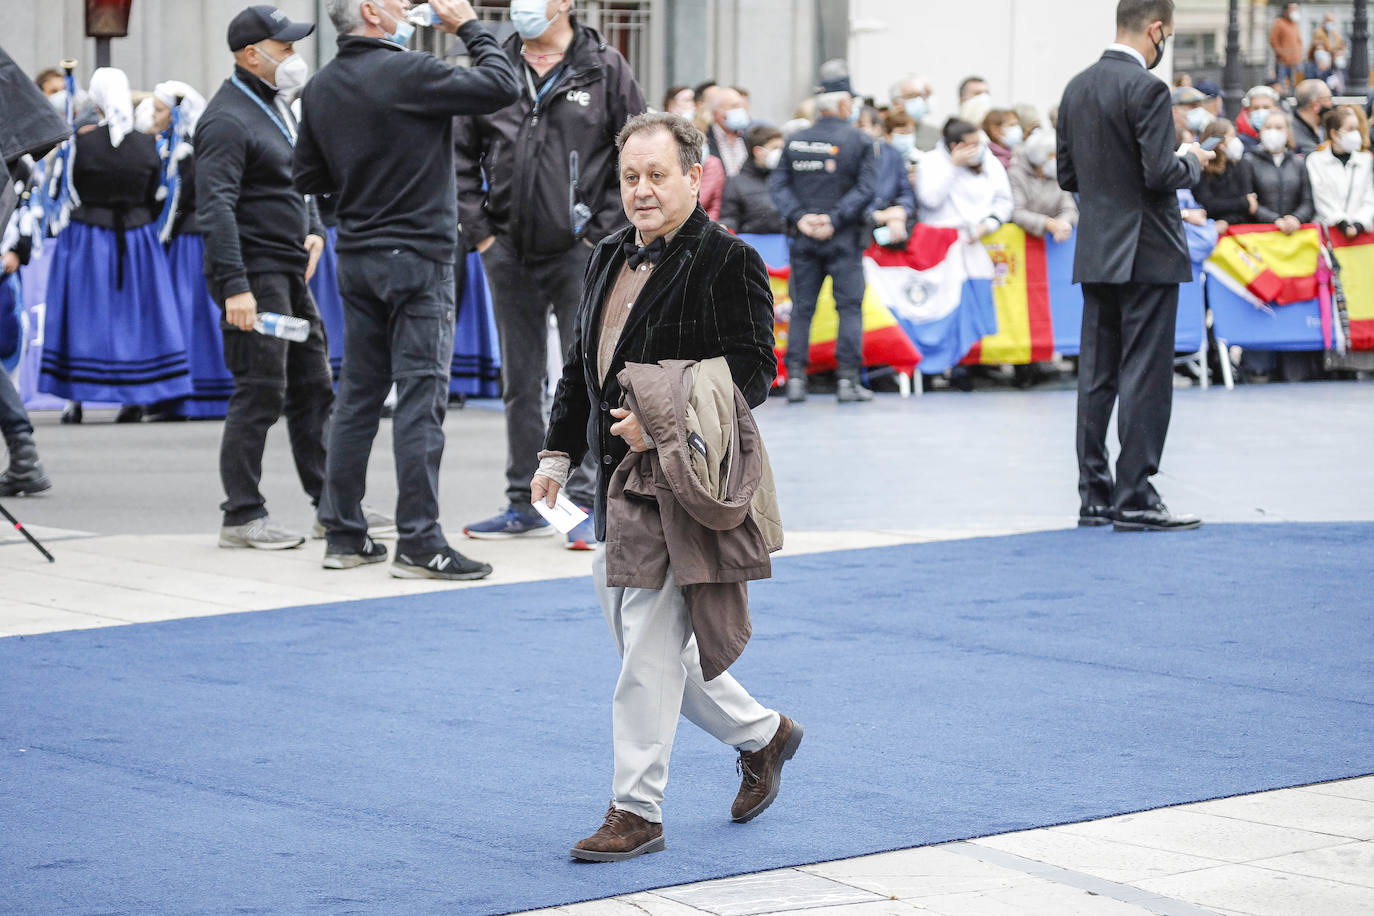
{"x":1356,"y":259}
{"x":1021,"y":293}
{"x":1266,"y":266}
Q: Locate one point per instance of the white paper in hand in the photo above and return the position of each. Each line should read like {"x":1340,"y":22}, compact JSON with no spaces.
{"x":565,"y":516}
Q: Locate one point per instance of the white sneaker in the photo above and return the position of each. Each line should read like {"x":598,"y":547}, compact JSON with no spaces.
{"x":261,"y":533}
{"x":379,"y":525}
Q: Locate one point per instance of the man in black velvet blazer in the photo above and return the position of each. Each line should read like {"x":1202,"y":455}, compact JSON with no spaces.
{"x":675,"y":285}
{"x":708,"y":296}
{"x":1116,"y":151}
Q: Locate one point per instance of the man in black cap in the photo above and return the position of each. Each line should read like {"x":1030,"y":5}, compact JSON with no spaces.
{"x":262,"y":242}
{"x":821,"y":186}
{"x":378,"y":134}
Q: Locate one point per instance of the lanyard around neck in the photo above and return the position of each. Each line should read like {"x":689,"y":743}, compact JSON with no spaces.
{"x":538,"y":96}
{"x":281,"y":126}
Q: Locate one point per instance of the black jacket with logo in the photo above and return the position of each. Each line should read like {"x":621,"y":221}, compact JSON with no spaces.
{"x":523,"y":151}
{"x":827,"y":168}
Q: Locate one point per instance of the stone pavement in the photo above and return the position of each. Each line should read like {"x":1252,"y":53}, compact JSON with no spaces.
{"x":132,"y":520}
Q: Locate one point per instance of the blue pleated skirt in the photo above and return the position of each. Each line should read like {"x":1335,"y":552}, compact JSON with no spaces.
{"x":211,"y":382}
{"x":103,"y":342}
{"x":476,"y":367}
{"x":11,"y":321}
{"x":324,"y":286}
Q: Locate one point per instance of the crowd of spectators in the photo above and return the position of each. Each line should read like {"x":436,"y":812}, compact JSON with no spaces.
{"x":1290,"y":157}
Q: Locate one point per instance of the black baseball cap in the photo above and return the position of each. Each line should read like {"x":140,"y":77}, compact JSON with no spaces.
{"x":259,"y":23}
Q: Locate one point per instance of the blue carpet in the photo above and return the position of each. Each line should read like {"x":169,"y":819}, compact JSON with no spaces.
{"x":439,"y":753}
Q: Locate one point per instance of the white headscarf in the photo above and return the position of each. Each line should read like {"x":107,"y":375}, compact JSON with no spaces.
{"x":109,"y":90}
{"x":143,"y":116}
{"x":190,"y":108}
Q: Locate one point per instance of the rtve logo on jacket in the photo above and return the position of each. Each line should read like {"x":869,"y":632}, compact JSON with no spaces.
{"x":579,"y":96}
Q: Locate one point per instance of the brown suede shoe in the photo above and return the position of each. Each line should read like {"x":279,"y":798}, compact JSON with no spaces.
{"x":623,"y":836}
{"x":761,"y":772}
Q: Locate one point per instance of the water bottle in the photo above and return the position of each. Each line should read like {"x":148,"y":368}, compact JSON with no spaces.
{"x":423,"y":15}
{"x":287,"y":327}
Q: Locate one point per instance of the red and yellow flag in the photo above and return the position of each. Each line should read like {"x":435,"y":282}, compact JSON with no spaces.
{"x":1273,"y":267}
{"x":1356,"y":259}
{"x":1021,"y":292}
{"x":884,"y":341}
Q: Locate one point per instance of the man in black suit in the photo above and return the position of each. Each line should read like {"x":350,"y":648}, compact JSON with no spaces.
{"x":1116,"y":150}
{"x":673,"y":285}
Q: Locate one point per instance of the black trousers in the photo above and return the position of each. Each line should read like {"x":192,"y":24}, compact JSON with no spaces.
{"x":841,"y":259}
{"x":524,"y":293}
{"x":1127,"y":357}
{"x":274,"y":378}
{"x":399,"y":317}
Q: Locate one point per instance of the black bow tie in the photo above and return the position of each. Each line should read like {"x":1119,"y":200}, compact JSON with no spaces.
{"x":634,"y":255}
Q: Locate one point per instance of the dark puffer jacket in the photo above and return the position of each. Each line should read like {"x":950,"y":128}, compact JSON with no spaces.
{"x":1283,"y":189}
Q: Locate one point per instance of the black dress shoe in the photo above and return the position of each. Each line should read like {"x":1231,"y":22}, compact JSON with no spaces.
{"x":1155,"y":518}
{"x":1094,"y":516}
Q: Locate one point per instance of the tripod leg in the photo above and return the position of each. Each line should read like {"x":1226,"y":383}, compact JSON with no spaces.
{"x":18,"y":526}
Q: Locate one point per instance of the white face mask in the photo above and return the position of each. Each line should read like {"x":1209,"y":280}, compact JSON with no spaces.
{"x":1235,"y":149}
{"x":1275,"y":139}
{"x":1350,"y":141}
{"x":1050,"y":170}
{"x":1296,"y":16}
{"x":772,"y":158}
{"x":1198,"y":119}
{"x":1012,"y":137}
{"x":292,"y":72}
{"x":737,"y":119}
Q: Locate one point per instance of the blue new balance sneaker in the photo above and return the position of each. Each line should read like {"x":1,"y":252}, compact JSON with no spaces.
{"x":510,"y":523}
{"x":583,"y":537}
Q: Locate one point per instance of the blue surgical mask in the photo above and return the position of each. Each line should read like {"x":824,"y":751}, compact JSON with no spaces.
{"x":903,"y":143}
{"x":1012,"y":137}
{"x":737,"y":119}
{"x":1257,"y":118}
{"x":528,"y":18}
{"x":854,"y":112}
{"x":404,"y":30}
{"x":915,"y":108}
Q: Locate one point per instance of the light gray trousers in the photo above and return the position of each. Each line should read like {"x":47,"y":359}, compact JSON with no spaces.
{"x":660,"y":678}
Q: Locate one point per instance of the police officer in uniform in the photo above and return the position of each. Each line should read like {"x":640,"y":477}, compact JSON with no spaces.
{"x":821,"y":186}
